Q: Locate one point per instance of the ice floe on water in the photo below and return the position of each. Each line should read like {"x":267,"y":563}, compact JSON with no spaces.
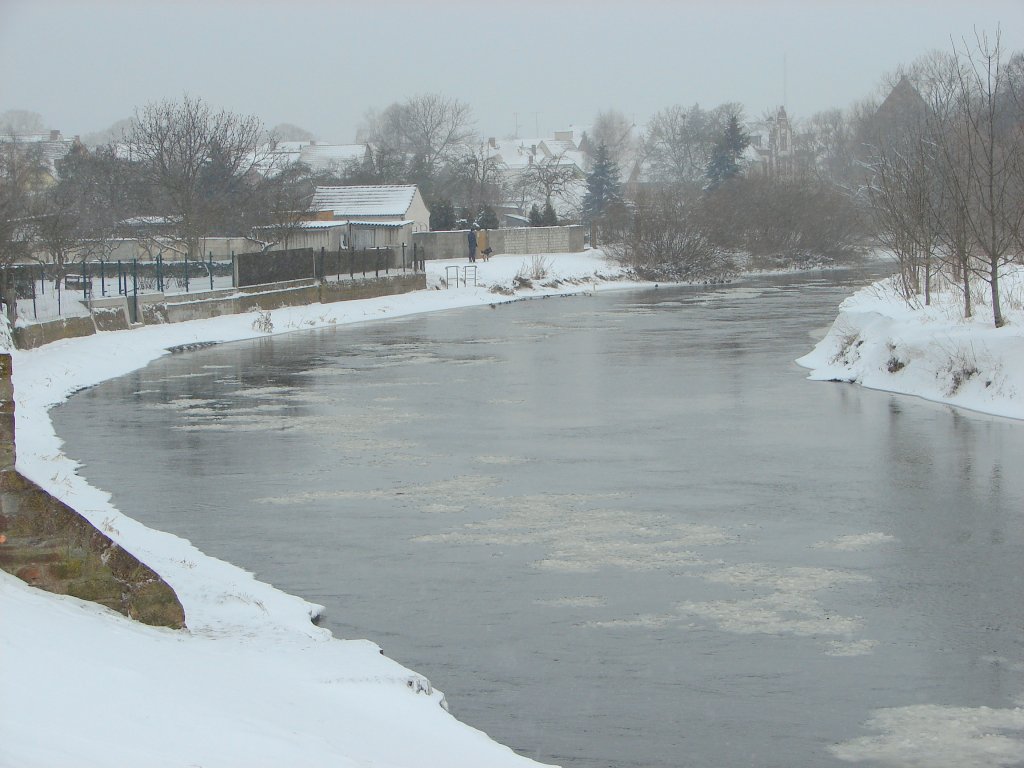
{"x":933,"y":736}
{"x":572,"y":602}
{"x":790,"y":607}
{"x":501,"y":460}
{"x":855,"y":541}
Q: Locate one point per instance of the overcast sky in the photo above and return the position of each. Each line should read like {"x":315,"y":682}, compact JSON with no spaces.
{"x":540,"y":65}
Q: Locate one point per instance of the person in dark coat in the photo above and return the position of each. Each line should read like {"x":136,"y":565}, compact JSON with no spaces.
{"x":472,"y":243}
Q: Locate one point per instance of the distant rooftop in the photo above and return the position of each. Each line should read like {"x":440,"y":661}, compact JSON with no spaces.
{"x":380,"y":200}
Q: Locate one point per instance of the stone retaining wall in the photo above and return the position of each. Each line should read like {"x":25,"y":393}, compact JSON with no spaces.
{"x":115,"y":313}
{"x":47,"y":544}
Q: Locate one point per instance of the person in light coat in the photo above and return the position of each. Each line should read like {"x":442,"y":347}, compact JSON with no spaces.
{"x":483,"y":246}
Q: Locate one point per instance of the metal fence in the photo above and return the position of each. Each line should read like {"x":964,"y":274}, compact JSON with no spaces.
{"x":45,"y":291}
{"x":49,"y":291}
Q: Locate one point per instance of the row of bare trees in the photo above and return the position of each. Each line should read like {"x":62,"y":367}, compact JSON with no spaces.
{"x":187,"y":169}
{"x":946,"y":185}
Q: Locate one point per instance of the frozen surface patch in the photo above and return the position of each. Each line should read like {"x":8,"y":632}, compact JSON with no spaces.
{"x":855,"y":541}
{"x":791,"y":606}
{"x":571,"y":602}
{"x":932,"y":736}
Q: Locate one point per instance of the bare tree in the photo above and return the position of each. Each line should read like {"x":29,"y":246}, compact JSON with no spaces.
{"x":21,"y":171}
{"x":615,"y":131}
{"x":77,"y":218}
{"x":20,"y":122}
{"x":472,"y":177}
{"x":905,"y":199}
{"x":196,"y":164}
{"x":988,"y":148}
{"x":428,"y":127}
{"x":281,"y":203}
{"x":948,"y":169}
{"x":549,"y":179}
{"x":664,"y":237}
{"x":679,"y":142}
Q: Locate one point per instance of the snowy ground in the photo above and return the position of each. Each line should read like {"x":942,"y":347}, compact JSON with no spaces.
{"x":882,"y":342}
{"x":252,"y":681}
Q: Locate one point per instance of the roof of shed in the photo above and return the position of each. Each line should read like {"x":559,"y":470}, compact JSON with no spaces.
{"x":378,"y":200}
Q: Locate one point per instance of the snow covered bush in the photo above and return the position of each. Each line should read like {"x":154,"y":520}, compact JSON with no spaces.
{"x":263,"y":322}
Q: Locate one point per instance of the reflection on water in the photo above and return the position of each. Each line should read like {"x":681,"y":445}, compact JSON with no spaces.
{"x":620,"y":530}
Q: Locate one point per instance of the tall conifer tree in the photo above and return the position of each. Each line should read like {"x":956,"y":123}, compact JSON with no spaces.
{"x":728,"y":150}
{"x":603,"y":185}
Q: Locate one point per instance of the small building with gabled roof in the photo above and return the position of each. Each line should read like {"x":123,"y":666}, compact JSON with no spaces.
{"x":384,"y":215}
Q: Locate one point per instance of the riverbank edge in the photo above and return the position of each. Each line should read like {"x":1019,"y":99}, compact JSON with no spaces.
{"x":880,"y":341}
{"x":47,"y":376}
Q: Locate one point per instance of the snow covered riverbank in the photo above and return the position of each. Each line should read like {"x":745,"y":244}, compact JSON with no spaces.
{"x":252,"y":681}
{"x":880,"y":341}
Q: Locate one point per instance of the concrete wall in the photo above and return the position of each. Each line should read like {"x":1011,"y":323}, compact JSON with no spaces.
{"x":47,"y":544}
{"x":37,"y":334}
{"x":145,"y":249}
{"x":518,"y":240}
{"x":540,"y":240}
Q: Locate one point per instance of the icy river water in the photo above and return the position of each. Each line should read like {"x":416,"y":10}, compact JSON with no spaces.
{"x":617,"y":530}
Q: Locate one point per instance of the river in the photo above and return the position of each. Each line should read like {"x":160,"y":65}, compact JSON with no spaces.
{"x":617,"y":530}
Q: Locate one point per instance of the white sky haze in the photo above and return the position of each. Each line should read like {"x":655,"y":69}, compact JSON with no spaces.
{"x":542,"y":65}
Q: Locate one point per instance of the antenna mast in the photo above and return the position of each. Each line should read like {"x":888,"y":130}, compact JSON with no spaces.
{"x":785,"y":83}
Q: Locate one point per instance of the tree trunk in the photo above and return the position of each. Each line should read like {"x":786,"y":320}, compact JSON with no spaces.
{"x":997,"y":312}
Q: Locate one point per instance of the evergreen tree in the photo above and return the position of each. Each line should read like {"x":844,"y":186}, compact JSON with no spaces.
{"x":603,"y":185}
{"x":548,"y":217}
{"x":486,"y":218}
{"x":536,"y":217}
{"x":442,"y":215}
{"x":729,"y":147}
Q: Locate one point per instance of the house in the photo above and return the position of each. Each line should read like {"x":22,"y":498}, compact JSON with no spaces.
{"x":334,"y":158}
{"x":526,"y":162}
{"x":50,"y":147}
{"x":904,"y":109}
{"x":771,"y":152}
{"x":319,"y":157}
{"x":376,"y":215}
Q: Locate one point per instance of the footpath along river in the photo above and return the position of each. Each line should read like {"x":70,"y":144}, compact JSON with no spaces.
{"x":617,"y":530}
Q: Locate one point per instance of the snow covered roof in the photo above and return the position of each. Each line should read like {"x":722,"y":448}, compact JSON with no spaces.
{"x":377,"y":200}
{"x":150,"y":221}
{"x":311,"y":225}
{"x":553,"y":147}
{"x":395,"y":224}
{"x":291,"y":146}
{"x":321,"y":156}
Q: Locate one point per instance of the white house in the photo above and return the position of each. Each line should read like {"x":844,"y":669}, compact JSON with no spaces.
{"x":378,"y":215}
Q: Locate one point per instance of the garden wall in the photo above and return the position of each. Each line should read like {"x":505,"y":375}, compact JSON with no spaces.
{"x":514,"y":240}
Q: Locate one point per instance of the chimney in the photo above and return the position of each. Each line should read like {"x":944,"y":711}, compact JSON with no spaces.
{"x":492,"y":142}
{"x":54,"y":135}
